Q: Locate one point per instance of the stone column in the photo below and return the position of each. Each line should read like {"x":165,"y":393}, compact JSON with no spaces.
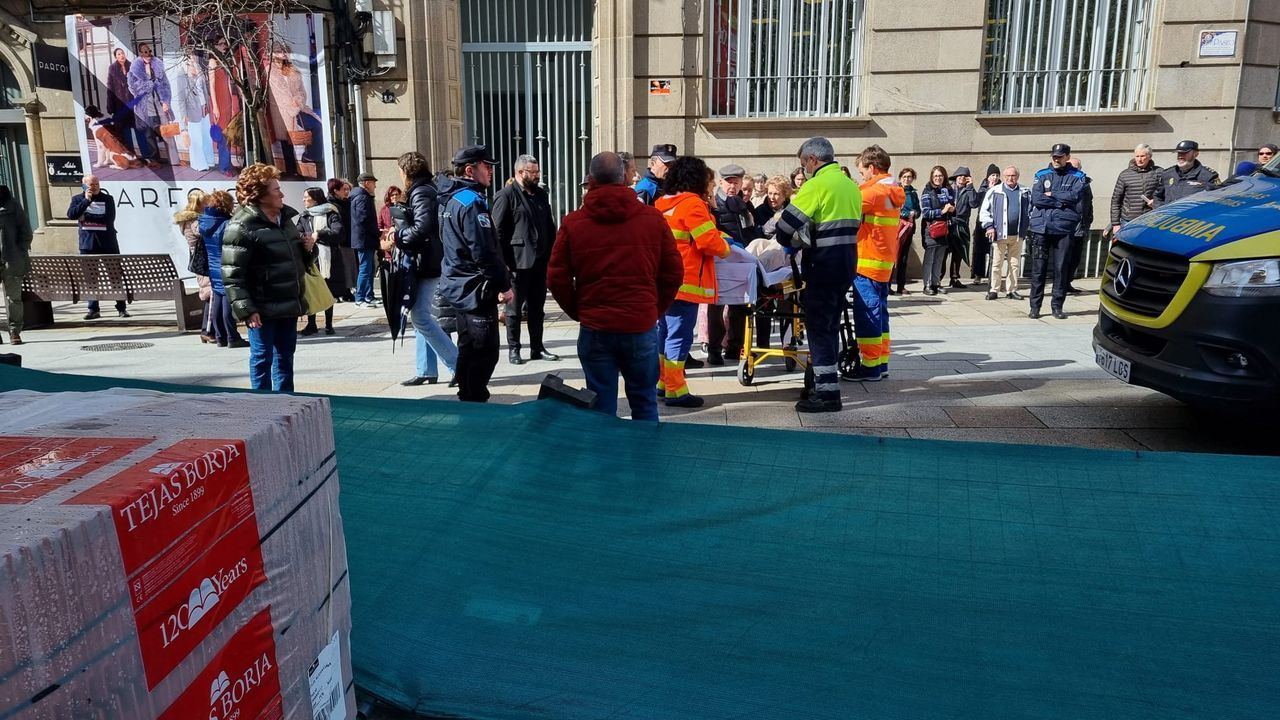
{"x":612,"y":67}
{"x":434,"y":50}
{"x":35,"y":144}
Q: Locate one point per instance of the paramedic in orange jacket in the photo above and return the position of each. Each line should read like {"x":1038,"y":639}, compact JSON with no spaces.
{"x":882,"y":201}
{"x":688,"y":184}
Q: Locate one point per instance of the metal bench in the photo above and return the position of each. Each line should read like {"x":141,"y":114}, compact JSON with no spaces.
{"x":107,"y":278}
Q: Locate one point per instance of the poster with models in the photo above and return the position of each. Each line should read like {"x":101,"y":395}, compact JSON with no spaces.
{"x":162,"y":107}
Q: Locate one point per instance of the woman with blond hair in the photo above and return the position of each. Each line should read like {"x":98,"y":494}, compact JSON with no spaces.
{"x":188,"y":222}
{"x":263,"y":260}
{"x":213,"y":222}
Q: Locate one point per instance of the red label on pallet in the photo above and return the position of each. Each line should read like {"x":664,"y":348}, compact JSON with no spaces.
{"x":31,"y":467}
{"x":205,"y":592}
{"x":188,"y":537}
{"x":242,"y":681}
{"x":159,"y":499}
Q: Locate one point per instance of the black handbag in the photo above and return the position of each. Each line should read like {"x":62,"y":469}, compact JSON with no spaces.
{"x":199,"y":264}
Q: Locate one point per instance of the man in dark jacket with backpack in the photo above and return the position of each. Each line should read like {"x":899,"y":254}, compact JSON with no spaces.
{"x":526,"y":229}
{"x":1058,"y":194}
{"x":417,"y":235}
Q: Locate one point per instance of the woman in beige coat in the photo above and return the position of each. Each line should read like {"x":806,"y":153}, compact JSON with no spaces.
{"x":188,"y":221}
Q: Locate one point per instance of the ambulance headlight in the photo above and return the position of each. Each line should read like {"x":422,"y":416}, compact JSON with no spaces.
{"x":1245,"y":278}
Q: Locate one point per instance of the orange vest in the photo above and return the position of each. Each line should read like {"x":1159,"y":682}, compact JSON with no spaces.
{"x":699,"y":241}
{"x":882,"y":201}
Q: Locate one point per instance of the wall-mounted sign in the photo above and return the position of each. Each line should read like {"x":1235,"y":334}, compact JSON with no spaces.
{"x":659,"y":87}
{"x":63,"y":169}
{"x":1218,"y":43}
{"x":53,"y":70}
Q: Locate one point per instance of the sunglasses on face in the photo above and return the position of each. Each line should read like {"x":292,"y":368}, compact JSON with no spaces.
{"x":1265,"y":153}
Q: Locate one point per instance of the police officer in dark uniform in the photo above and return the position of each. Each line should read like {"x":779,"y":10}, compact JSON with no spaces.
{"x":1057,"y":198}
{"x":1188,"y":177}
{"x":649,"y":187}
{"x":473,"y":275}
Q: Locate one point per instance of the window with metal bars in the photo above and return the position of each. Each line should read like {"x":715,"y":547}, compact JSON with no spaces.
{"x":784,"y":58}
{"x":1044,"y":56}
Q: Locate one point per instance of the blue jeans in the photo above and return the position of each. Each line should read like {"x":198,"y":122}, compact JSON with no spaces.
{"x":433,"y":342}
{"x":635,"y":355}
{"x":271,"y":350}
{"x":364,"y":275}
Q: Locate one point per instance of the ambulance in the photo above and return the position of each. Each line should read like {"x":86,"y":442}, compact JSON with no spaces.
{"x":1191,"y":298}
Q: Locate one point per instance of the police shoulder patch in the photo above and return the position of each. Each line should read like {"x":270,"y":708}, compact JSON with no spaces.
{"x":483,"y":219}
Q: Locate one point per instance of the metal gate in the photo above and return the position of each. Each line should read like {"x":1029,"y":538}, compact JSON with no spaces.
{"x":527,"y":84}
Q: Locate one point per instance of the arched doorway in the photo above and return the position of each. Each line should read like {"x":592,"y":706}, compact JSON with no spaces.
{"x":16,"y":168}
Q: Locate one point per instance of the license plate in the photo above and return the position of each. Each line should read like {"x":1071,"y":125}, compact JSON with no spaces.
{"x":1113,"y":363}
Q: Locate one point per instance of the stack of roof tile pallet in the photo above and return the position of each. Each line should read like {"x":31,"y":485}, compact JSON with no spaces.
{"x":171,"y":556}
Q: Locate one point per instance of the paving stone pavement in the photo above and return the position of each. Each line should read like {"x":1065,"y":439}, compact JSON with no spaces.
{"x":962,"y":368}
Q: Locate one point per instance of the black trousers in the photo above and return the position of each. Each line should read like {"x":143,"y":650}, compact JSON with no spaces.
{"x":1074,"y":253}
{"x":904,"y":254}
{"x":529,"y":301}
{"x":727,"y":335}
{"x":981,"y":253}
{"x":953,"y":254}
{"x":478,"y":347}
{"x":1049,"y":252}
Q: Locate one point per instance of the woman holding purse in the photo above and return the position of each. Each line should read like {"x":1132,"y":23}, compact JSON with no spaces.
{"x":938,"y":208}
{"x":322,"y":221}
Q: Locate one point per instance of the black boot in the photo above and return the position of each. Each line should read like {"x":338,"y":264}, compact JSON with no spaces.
{"x":513,"y":340}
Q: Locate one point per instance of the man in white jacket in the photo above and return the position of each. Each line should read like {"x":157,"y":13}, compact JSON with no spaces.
{"x":1005,"y":216}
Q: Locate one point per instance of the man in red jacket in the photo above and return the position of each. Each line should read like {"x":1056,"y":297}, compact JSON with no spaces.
{"x":615,"y":268}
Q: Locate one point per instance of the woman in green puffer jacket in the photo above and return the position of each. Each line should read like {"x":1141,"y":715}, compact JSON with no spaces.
{"x":263,"y":259}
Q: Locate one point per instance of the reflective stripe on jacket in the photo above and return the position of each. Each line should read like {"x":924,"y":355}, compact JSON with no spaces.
{"x":824,"y":215}
{"x":699,"y":242}
{"x":882,"y":201}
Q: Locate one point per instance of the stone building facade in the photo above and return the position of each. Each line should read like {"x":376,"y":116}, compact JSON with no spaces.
{"x":659,"y":71}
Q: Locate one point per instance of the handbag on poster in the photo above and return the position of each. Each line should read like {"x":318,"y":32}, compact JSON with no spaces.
{"x":939,"y":229}
{"x":316,"y":297}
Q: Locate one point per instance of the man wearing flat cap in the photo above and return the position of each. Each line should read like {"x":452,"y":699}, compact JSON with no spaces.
{"x":734,"y":218}
{"x":1187,"y":177}
{"x":650,"y":186}
{"x":1058,"y":194}
{"x":473,"y":276}
{"x":365,"y":236}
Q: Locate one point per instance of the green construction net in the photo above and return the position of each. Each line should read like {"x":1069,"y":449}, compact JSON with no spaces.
{"x":537,"y":561}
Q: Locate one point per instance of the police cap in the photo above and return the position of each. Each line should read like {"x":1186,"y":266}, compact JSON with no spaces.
{"x":665,"y":152}
{"x":473,"y":154}
{"x":1187,"y":146}
{"x":1060,"y":150}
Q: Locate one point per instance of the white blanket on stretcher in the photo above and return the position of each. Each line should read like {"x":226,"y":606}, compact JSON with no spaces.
{"x":738,"y":280}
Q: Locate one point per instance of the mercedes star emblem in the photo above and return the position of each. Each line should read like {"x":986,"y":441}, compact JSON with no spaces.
{"x":1124,"y":277}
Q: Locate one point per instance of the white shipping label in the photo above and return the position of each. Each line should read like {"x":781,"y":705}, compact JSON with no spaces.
{"x":327,"y":698}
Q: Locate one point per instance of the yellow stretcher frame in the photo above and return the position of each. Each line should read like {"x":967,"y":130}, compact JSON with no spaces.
{"x":794,"y":356}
